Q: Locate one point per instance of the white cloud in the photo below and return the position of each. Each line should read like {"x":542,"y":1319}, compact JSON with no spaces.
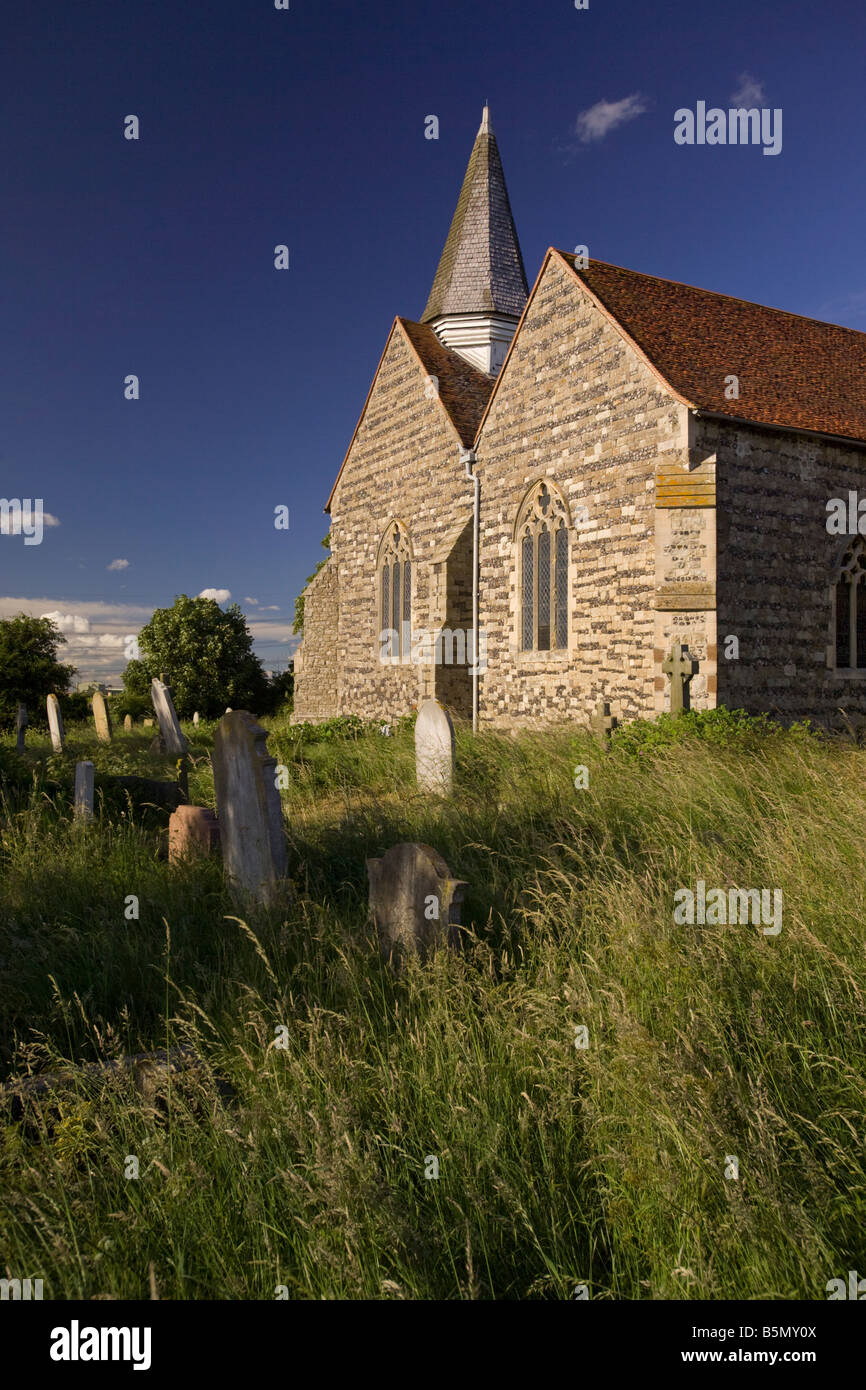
{"x":598,"y":120}
{"x":749,"y":92}
{"x":271,"y":608}
{"x":118,"y":565}
{"x":28,"y":520}
{"x":219,"y":594}
{"x":252,"y":601}
{"x":68,"y":622}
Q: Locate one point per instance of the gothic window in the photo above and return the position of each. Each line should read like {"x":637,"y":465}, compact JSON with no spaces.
{"x":850,"y":609}
{"x":542,"y":536}
{"x":395,"y":594}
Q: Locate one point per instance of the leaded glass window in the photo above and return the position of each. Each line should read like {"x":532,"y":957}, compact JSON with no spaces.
{"x":395,"y":604}
{"x":850,"y":634}
{"x":543,"y":559}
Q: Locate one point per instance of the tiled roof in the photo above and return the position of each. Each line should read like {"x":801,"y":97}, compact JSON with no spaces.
{"x":481,"y":268}
{"x":463,"y":390}
{"x":793,"y":372}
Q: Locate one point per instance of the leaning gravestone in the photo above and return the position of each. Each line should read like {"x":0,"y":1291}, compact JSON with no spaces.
{"x":101,"y":717}
{"x":127,"y":722}
{"x":434,"y":748}
{"x":83,"y":791}
{"x":169,"y":724}
{"x":414,"y":901}
{"x":21,"y":728}
{"x":249,"y":809}
{"x":55,"y":723}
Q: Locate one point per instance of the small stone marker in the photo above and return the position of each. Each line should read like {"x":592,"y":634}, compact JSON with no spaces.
{"x":101,"y":717}
{"x":169,"y":724}
{"x":434,"y":748}
{"x":249,"y":809}
{"x":127,"y":722}
{"x":195,"y":719}
{"x":680,"y":669}
{"x":603,"y":722}
{"x":55,"y":723}
{"x":229,"y":709}
{"x":157,"y":745}
{"x":84,"y":791}
{"x":414,"y":901}
{"x":192,"y":830}
{"x":21,"y":728}
{"x":147,"y":723}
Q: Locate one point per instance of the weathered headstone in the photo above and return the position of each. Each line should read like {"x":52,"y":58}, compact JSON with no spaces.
{"x":157,"y":745}
{"x":195,"y":719}
{"x":169,"y":724}
{"x":603,"y":722}
{"x":83,"y":791}
{"x":55,"y":724}
{"x":414,"y":901}
{"x":434,"y":748}
{"x":229,"y":709}
{"x":249,"y":809}
{"x":680,"y":668}
{"x":101,"y":717}
{"x":192,"y":830}
{"x":147,"y":723}
{"x":21,"y":728}
{"x":127,"y":722}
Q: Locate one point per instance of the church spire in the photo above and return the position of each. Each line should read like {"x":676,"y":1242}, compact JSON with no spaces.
{"x":480,"y":286}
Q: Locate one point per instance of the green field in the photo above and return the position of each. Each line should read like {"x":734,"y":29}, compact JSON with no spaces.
{"x":558,"y":1165}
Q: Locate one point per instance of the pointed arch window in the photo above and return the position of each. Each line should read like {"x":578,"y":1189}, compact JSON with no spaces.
{"x":850,"y":610}
{"x":542,"y":535}
{"x":395,"y":594}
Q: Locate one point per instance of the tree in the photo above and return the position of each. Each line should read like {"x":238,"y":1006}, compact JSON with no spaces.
{"x":29,"y":669}
{"x":298,"y":625}
{"x":204,"y":653}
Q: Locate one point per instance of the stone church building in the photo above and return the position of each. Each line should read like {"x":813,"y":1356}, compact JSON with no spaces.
{"x":584,"y":474}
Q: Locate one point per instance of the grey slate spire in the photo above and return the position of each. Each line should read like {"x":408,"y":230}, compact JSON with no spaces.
{"x":481,"y":268}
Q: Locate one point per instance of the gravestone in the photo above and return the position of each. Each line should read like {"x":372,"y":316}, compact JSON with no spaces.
{"x":169,"y":724}
{"x":192,"y":830}
{"x":83,"y":791}
{"x":249,"y":810}
{"x":195,"y":719}
{"x":414,"y":901}
{"x":21,"y":728}
{"x":603,"y":722}
{"x":147,"y":723}
{"x":680,"y":668}
{"x":157,"y":745}
{"x":434,"y":748}
{"x":229,"y":709}
{"x":127,"y":722}
{"x":55,"y":724}
{"x":101,"y":717}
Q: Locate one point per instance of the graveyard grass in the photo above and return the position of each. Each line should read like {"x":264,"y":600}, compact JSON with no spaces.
{"x":559,"y":1166}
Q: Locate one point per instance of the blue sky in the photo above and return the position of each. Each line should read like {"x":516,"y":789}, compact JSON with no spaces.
{"x":305,"y":127}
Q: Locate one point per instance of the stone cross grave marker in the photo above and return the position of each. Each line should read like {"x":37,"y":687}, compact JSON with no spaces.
{"x":127,"y":722}
{"x":84,"y":791}
{"x":169,"y":724}
{"x":603,"y":722}
{"x":21,"y":728}
{"x":101,"y":717}
{"x":249,"y":809}
{"x":434,"y":748}
{"x":414,"y":901}
{"x":55,"y":724}
{"x":680,"y":668}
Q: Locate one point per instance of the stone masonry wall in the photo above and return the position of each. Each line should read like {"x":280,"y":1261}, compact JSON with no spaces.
{"x":404,"y":465}
{"x":317,"y":676}
{"x":577,"y":405}
{"x":776,"y":567}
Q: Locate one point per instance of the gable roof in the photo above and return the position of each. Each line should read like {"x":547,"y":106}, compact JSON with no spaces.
{"x":481,"y":266}
{"x":463,"y":391}
{"x":794,"y":372}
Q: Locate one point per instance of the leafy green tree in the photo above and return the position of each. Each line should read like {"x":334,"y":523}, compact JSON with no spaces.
{"x":204,"y":653}
{"x":29,"y":669}
{"x":298,"y":625}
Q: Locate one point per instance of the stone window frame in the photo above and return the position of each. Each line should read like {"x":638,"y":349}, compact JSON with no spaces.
{"x":531,"y":517}
{"x":851,"y":560}
{"x":388,"y":554}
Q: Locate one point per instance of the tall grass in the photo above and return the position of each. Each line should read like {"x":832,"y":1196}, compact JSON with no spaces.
{"x":558,"y":1165}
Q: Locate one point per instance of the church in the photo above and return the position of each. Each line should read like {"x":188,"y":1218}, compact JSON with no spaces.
{"x":553,"y":495}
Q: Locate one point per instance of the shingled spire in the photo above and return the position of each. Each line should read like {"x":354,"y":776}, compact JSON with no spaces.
{"x":480,"y":286}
